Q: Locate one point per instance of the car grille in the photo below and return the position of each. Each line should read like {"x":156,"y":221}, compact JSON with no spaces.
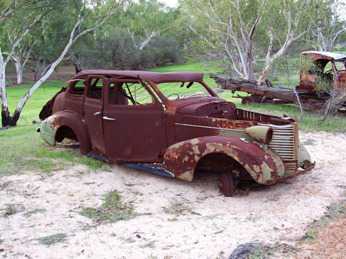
{"x":285,"y":144}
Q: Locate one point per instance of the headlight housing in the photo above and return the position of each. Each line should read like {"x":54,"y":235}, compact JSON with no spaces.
{"x":263,"y":134}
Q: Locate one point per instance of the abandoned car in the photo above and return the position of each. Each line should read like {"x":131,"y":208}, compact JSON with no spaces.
{"x":321,"y":71}
{"x":172,"y":124}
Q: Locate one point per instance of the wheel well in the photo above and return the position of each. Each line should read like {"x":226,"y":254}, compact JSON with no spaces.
{"x":218,"y":163}
{"x":65,"y":132}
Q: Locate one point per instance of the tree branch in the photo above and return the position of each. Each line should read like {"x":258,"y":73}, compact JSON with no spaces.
{"x":74,"y":36}
{"x":20,"y":38}
{"x":7,"y":12}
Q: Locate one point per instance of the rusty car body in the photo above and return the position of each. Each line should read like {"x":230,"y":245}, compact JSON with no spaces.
{"x":322,"y":67}
{"x":172,"y":124}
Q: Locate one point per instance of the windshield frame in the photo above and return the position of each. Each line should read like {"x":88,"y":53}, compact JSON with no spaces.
{"x":163,"y":97}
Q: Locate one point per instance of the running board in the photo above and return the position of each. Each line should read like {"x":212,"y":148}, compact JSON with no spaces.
{"x":155,"y":169}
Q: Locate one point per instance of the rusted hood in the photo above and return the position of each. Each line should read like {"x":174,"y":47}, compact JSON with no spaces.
{"x":203,"y":107}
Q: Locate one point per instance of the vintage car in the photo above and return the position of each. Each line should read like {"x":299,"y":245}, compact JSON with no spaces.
{"x":172,"y":124}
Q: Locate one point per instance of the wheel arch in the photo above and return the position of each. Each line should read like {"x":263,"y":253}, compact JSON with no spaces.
{"x":261,"y":164}
{"x":68,"y":122}
{"x":216,"y":161}
{"x":65,"y":132}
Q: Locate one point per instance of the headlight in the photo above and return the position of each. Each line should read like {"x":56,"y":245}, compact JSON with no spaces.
{"x":263,"y":134}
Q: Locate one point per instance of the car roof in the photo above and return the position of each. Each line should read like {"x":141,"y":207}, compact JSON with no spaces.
{"x":324,"y":55}
{"x":155,"y":77}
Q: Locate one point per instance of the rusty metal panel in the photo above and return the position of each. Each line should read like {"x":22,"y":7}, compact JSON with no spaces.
{"x":341,"y":80}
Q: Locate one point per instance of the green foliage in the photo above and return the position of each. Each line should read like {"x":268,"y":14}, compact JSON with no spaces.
{"x":51,"y":34}
{"x":111,"y":210}
{"x":118,"y":43}
{"x":324,"y":81}
{"x":233,"y":43}
{"x":146,"y":16}
{"x":118,"y":51}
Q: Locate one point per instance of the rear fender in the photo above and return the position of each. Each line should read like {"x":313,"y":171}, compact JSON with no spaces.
{"x":264,"y":166}
{"x":50,"y":126}
{"x":47,"y":109}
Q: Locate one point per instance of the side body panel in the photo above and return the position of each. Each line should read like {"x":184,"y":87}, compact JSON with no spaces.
{"x":341,"y":80}
{"x":71,"y":102}
{"x":307,"y":82}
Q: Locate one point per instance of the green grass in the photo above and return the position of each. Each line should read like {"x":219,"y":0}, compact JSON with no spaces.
{"x":307,"y":121}
{"x":112,"y":210}
{"x":34,"y":105}
{"x":52,"y":239}
{"x":22,"y":149}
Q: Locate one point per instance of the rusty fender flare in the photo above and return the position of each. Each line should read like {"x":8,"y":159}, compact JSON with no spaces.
{"x":264,"y":166}
{"x":50,"y":126}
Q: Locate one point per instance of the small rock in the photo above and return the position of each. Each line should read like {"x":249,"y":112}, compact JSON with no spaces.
{"x":244,"y":251}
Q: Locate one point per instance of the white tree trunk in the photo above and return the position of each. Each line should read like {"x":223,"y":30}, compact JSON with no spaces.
{"x":291,"y":36}
{"x":19,"y":72}
{"x":146,"y":41}
{"x":75,"y":34}
{"x":3,"y":94}
{"x":5,"y":114}
{"x":49,"y":71}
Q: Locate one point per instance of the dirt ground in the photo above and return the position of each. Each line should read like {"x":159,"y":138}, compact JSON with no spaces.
{"x":40,"y":213}
{"x":330,"y":242}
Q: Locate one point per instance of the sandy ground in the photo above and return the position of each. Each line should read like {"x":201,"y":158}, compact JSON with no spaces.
{"x":174,"y":219}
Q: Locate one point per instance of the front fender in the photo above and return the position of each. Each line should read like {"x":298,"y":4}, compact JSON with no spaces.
{"x":264,"y":166}
{"x":50,"y":126}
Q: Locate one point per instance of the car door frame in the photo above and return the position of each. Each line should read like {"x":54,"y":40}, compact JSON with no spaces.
{"x":112,"y":112}
{"x":95,"y":137}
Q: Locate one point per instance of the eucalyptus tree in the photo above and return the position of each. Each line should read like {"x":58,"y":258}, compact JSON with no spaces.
{"x":142,"y":34}
{"x":239,"y":31}
{"x":86,"y":20}
{"x":146,"y":19}
{"x":7,"y":8}
{"x":15,"y":37}
{"x":329,"y":26}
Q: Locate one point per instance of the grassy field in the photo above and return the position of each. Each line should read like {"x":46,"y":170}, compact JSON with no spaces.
{"x":22,"y":149}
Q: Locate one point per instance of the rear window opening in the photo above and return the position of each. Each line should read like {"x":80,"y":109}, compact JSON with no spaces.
{"x":77,"y":88}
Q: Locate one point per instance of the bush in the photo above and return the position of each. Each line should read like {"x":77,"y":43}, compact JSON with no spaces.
{"x":119,"y":52}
